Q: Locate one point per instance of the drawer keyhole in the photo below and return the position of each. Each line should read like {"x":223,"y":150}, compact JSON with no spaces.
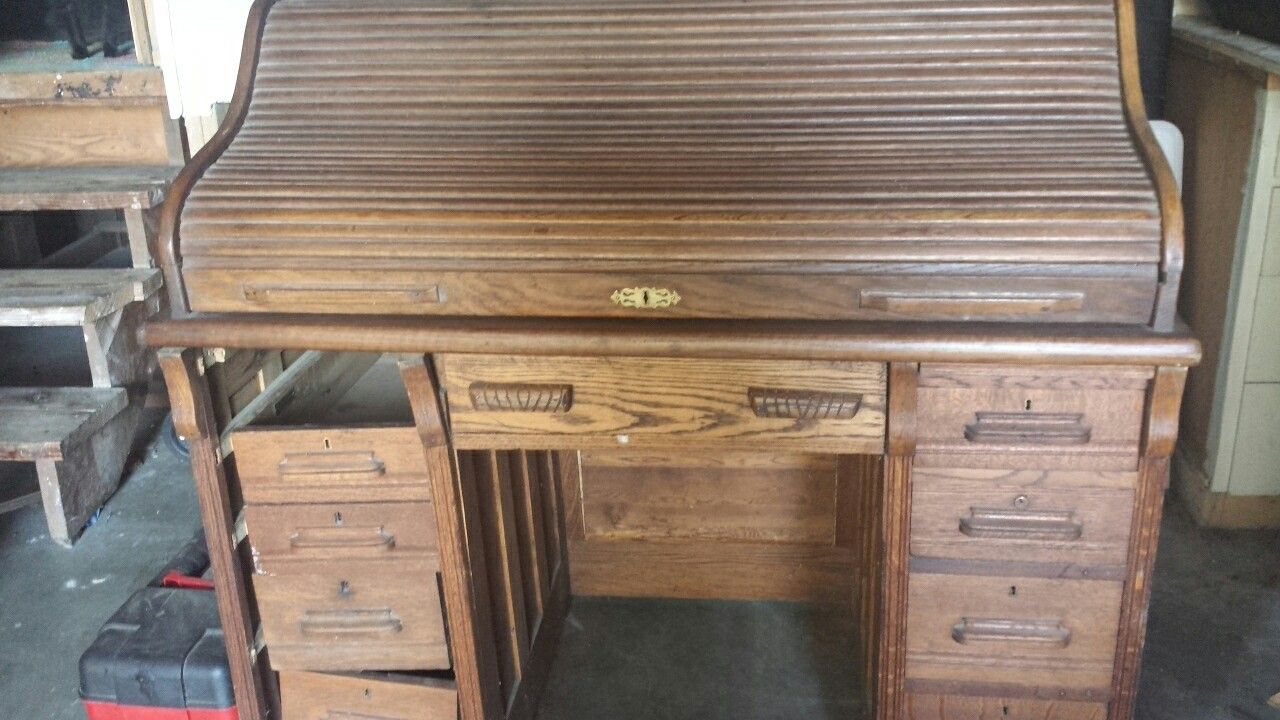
{"x":1026,"y":406}
{"x":337,"y":519}
{"x":1013,"y":589}
{"x":344,"y":588}
{"x":329,"y":446}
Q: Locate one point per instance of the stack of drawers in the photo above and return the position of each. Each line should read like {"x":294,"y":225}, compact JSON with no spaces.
{"x":1023,"y":493}
{"x":345,"y":553}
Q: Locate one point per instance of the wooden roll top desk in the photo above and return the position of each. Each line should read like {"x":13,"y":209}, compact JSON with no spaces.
{"x":857,"y":303}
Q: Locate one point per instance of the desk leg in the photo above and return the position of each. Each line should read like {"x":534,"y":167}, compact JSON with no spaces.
{"x":894,"y":545}
{"x":184,"y":373}
{"x":471,"y":632}
{"x":1158,"y":438}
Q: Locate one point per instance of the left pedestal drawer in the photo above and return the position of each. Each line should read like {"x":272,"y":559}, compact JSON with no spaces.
{"x":367,"y":696}
{"x":353,"y":614}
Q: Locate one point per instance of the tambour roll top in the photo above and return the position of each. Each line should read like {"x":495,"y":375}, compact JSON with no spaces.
{"x":925,"y":159}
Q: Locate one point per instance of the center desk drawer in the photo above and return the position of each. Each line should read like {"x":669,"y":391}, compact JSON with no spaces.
{"x":348,"y":586}
{"x":1048,"y":638}
{"x":506,"y":402}
{"x":319,"y":464}
{"x":983,"y":416}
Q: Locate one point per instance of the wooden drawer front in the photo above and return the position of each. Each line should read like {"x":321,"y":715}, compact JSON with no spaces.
{"x":353,"y":614}
{"x":959,"y":707}
{"x":335,"y":531}
{"x":966,"y":630}
{"x":1124,"y":296}
{"x":1066,"y":418}
{"x":1048,"y":516}
{"x":289,"y":465}
{"x":366,"y":696}
{"x":595,"y":403}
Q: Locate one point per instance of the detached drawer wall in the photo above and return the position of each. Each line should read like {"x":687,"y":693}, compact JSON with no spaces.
{"x":1223,"y":94}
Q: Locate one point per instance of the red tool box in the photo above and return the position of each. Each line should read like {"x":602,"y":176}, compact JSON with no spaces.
{"x":161,"y":656}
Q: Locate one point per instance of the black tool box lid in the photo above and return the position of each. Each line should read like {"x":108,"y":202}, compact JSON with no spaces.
{"x":164,"y":648}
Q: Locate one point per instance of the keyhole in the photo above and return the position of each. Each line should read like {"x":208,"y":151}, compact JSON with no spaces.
{"x":1024,"y":407}
{"x":344,"y":588}
{"x":329,"y":446}
{"x":337,"y":519}
{"x":369,"y":693}
{"x":1013,"y":589}
{"x":1003,"y":710}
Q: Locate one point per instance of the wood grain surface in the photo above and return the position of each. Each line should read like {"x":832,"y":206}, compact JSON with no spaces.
{"x":366,"y":696}
{"x":1031,"y":515}
{"x":1105,"y":402}
{"x":1086,"y":611}
{"x":921,"y":706}
{"x":647,"y":402}
{"x":561,"y":136}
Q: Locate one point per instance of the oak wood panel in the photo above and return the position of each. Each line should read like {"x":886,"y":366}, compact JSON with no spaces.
{"x":996,"y":417}
{"x":749,"y":497}
{"x":959,"y":707}
{"x":366,"y":696}
{"x":536,"y":564}
{"x":337,"y":531}
{"x":1032,"y":632}
{"x":1121,"y":294}
{"x":332,"y":464}
{"x":719,"y":571}
{"x":1022,"y":515}
{"x":353,"y":613}
{"x":643,"y":402}
{"x":502,"y":558}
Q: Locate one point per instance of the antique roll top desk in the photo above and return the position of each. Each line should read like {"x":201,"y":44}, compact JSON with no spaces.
{"x":859,"y":303}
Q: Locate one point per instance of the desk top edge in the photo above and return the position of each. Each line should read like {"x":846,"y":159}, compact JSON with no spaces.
{"x":776,"y":340}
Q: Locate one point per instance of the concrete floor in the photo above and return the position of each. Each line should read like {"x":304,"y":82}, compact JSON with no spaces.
{"x":1213,"y":650}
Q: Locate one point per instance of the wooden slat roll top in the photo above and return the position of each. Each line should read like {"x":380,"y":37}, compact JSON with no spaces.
{"x":643,"y":142}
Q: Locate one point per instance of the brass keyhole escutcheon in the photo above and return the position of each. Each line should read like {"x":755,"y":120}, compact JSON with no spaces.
{"x":647,"y":298}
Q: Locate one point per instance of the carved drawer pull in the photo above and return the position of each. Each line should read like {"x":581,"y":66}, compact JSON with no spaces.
{"x":803,"y":404}
{"x":332,"y":463}
{"x":1017,"y":524}
{"x":1047,"y":632}
{"x":350,"y":622}
{"x":922,"y":302}
{"x":521,"y":397}
{"x":293,"y":295}
{"x":342,"y":538}
{"x":999,"y":428}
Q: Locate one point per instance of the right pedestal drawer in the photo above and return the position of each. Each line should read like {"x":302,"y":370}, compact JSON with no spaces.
{"x":1034,"y":417}
{"x":1076,"y":518}
{"x":987,"y":635}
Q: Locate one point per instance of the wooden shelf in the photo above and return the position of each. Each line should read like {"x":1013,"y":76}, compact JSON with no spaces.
{"x":105,"y":188}
{"x":50,"y":298}
{"x":39,"y":423}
